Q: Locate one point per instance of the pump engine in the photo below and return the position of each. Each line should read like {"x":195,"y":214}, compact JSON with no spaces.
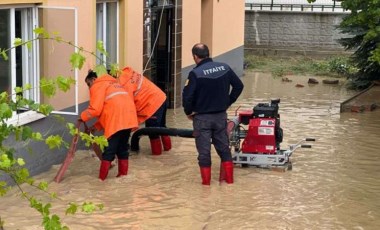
{"x":261,"y":134}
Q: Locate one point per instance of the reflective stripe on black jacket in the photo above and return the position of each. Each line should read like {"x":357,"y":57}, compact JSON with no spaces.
{"x":207,"y":89}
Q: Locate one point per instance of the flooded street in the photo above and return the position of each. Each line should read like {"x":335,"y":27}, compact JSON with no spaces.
{"x":333,"y":185}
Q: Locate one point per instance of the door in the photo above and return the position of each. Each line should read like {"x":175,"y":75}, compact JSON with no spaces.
{"x":161,"y":64}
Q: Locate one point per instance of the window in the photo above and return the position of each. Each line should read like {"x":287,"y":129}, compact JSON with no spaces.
{"x":25,"y":64}
{"x":21,"y":67}
{"x":107,"y":30}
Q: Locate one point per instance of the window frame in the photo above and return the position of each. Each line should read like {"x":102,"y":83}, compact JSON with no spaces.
{"x":29,"y":61}
{"x":104,"y":27}
{"x":76,"y":72}
{"x":26,"y":117}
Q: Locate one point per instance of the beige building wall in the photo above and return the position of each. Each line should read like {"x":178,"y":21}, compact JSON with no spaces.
{"x":191,"y":29}
{"x":217,"y":23}
{"x":86,"y":12}
{"x":4,"y":2}
{"x":227,"y":26}
{"x":207,"y":19}
{"x":131,"y":34}
{"x":54,"y":55}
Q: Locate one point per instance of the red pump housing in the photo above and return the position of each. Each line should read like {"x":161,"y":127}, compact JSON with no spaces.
{"x":261,"y":136}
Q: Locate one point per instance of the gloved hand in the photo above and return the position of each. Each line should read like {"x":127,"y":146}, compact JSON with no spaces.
{"x":92,"y":129}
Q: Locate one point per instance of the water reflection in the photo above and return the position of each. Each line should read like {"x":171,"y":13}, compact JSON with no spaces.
{"x":333,"y":185}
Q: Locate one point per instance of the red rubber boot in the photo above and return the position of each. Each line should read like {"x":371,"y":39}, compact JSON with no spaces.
{"x":227,"y":172}
{"x":222,"y":174}
{"x":166,"y":142}
{"x":104,"y":167}
{"x":206,"y":175}
{"x":156,"y":147}
{"x":122,"y":167}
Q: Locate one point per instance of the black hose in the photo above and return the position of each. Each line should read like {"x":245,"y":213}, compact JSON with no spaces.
{"x":188,"y":133}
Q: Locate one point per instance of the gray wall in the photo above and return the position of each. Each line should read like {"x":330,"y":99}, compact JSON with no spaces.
{"x":300,"y":32}
{"x":37,"y":155}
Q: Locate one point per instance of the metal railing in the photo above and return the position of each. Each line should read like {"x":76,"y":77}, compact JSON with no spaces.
{"x":294,"y":5}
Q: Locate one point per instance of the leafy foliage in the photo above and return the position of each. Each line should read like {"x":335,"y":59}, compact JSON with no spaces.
{"x":16,"y":167}
{"x":362,"y":26}
{"x":77,"y":60}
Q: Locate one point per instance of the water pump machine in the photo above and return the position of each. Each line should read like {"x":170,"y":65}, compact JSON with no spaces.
{"x":255,"y":137}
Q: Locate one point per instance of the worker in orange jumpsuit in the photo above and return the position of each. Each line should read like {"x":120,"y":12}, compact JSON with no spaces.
{"x":150,"y":103}
{"x":116,"y":113}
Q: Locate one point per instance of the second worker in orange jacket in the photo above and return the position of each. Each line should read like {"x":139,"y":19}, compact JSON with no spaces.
{"x":150,"y":102}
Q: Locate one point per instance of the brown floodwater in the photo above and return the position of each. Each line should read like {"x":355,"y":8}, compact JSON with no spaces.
{"x":333,"y":185}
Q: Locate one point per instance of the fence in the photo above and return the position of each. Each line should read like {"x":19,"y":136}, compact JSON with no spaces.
{"x":294,"y":5}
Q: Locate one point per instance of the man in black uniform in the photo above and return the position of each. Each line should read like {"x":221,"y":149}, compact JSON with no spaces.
{"x":206,"y":98}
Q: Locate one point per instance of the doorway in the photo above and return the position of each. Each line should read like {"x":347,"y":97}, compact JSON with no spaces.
{"x":162,"y":46}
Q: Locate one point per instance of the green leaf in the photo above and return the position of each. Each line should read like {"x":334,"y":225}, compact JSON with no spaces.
{"x":3,"y":97}
{"x":53,"y":223}
{"x":57,"y":36}
{"x":41,"y":31}
{"x":86,"y":138}
{"x":3,"y":188}
{"x":21,"y":175}
{"x":72,"y":128}
{"x":53,"y":195}
{"x":47,"y":87}
{"x":45,"y":109}
{"x":72,"y":209}
{"x":101,"y":141}
{"x":58,"y":39}
{"x":5,"y":111}
{"x":34,"y":203}
{"x":54,"y":141}
{"x":77,"y":60}
{"x":27,"y":86}
{"x":100,"y":70}
{"x":100,"y":48}
{"x":29,"y":45}
{"x":55,"y":33}
{"x":100,"y":206}
{"x":5,"y":162}
{"x":64,"y":83}
{"x":18,"y":89}
{"x":375,"y":55}
{"x":4,"y":55}
{"x":43,"y":185}
{"x":114,"y":71}
{"x":88,"y":207}
{"x":20,"y":161}
{"x":17,"y":42}
{"x":46,"y":209}
{"x":17,"y":132}
{"x":59,"y":118}
{"x":37,"y":136}
{"x":26,"y":132}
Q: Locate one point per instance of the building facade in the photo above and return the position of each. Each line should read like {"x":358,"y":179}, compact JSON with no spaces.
{"x":154,"y":37}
